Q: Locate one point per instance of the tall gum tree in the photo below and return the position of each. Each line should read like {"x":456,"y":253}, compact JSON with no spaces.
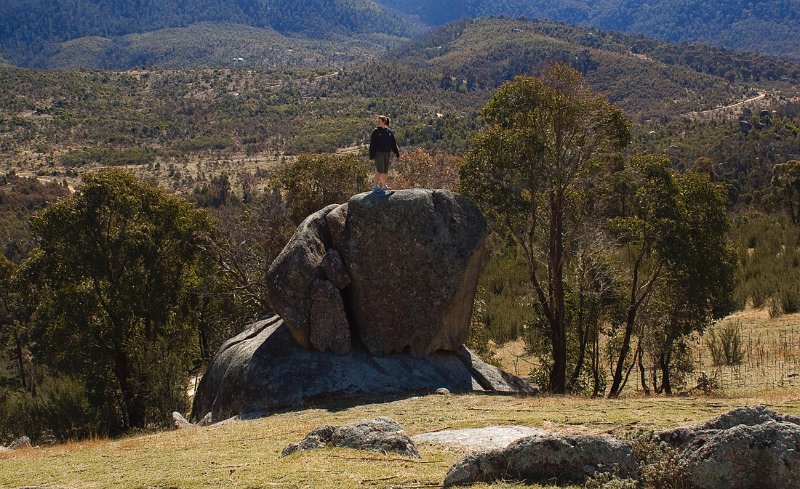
{"x":528,"y":170}
{"x":675,"y":260}
{"x":115,"y":265}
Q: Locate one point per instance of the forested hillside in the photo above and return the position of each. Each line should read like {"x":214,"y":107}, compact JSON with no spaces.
{"x":766,"y":26}
{"x":187,"y":126}
{"x":30,"y":29}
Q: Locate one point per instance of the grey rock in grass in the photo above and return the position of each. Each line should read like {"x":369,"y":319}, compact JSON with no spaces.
{"x":746,"y":415}
{"x":180,"y":422}
{"x":546,"y":458}
{"x":20,"y":443}
{"x":264,"y":369}
{"x":766,"y":456}
{"x":381,"y":434}
{"x":320,"y":437}
{"x":750,"y":446}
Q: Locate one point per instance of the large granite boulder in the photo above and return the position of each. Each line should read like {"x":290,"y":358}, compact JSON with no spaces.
{"x":411,"y":263}
{"x":264,"y":369}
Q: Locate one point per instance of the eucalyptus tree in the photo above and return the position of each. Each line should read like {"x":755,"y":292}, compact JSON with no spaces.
{"x":116,"y":268}
{"x":675,"y":259}
{"x":528,"y":170}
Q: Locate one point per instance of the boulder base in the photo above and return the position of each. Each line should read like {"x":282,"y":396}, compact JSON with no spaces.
{"x":264,"y":369}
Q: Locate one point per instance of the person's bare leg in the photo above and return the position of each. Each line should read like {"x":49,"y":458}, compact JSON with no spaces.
{"x":384,"y":179}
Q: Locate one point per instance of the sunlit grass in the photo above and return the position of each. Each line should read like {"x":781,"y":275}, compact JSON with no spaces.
{"x":246,"y":454}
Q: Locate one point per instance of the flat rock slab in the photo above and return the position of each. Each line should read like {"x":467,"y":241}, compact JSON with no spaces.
{"x":264,"y":369}
{"x":489,"y":438}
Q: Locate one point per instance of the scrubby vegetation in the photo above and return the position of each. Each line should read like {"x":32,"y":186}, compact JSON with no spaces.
{"x":681,"y":204}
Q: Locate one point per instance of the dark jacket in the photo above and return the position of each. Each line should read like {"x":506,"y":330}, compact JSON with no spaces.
{"x":382,"y":139}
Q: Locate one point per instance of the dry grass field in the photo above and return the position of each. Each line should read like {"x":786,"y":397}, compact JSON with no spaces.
{"x":246,"y":454}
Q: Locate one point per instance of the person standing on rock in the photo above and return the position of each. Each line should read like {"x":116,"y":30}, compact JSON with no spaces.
{"x":381,"y":146}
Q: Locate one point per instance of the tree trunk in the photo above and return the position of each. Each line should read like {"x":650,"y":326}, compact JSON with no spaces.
{"x":583,"y":339}
{"x":596,"y":360}
{"x":619,"y":369}
{"x":643,"y":376}
{"x":664,"y":362}
{"x":558,"y":375}
{"x":20,"y":357}
{"x":133,"y":409}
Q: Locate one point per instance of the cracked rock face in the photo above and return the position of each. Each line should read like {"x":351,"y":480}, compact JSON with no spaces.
{"x":406,"y":263}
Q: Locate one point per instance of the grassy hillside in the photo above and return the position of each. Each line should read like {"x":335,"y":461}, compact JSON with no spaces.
{"x":246,"y":454}
{"x":28,"y":28}
{"x":766,"y":26}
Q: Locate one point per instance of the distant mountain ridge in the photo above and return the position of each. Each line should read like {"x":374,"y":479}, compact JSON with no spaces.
{"x":767,"y":26}
{"x":29,"y":28}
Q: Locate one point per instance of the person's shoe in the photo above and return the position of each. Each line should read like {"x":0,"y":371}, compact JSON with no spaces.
{"x":376,"y":189}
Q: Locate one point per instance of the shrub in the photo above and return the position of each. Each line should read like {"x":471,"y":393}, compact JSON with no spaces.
{"x":311,"y":182}
{"x":59,"y":408}
{"x":725,"y":344}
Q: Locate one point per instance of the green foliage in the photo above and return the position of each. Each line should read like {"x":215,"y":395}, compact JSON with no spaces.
{"x":785,"y":188}
{"x":504,"y":302}
{"x":769,"y":260}
{"x":118,"y":260}
{"x":528,"y":171}
{"x":725,"y":344}
{"x":60,"y":408}
{"x":312,"y":182}
{"x":20,"y":198}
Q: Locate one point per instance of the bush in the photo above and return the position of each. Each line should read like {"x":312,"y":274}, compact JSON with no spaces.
{"x":725,"y":344}
{"x":312,"y":182}
{"x":420,"y":169}
{"x":658,"y":464}
{"x":59,"y":408}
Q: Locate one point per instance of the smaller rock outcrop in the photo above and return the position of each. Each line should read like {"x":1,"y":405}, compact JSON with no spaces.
{"x":746,"y":415}
{"x":546,"y":457}
{"x":376,"y":435}
{"x":20,"y":443}
{"x":747,"y":447}
{"x":180,"y":422}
